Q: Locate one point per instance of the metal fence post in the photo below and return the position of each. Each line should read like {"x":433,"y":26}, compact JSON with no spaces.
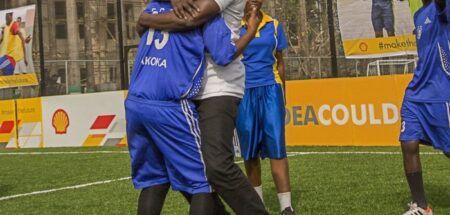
{"x":123,"y":78}
{"x":41,"y":48}
{"x":66,"y":70}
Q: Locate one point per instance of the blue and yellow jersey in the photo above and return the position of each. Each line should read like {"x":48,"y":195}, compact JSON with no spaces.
{"x":431,"y":82}
{"x":170,"y":66}
{"x":259,"y":56}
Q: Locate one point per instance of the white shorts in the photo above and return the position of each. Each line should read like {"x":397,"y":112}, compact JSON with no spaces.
{"x":21,"y":68}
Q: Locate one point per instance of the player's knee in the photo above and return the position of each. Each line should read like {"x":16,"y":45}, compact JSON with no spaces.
{"x":410,"y":147}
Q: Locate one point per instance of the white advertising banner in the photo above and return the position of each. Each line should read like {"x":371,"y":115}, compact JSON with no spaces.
{"x":84,"y":120}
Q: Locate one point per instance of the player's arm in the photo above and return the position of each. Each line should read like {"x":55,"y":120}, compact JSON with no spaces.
{"x":444,"y":9}
{"x":170,"y":22}
{"x":252,"y":28}
{"x":217,"y":39}
{"x":22,"y":38}
{"x":1,"y":36}
{"x":281,"y":68}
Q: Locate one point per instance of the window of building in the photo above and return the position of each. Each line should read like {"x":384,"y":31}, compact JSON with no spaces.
{"x":61,"y":31}
{"x":60,"y":10}
{"x":111,"y":30}
{"x":81,"y":31}
{"x":111,"y":11}
{"x":130,"y":22}
{"x":80,"y":10}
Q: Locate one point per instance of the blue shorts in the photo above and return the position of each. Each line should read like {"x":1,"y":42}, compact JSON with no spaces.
{"x":383,"y":16}
{"x":7,"y":65}
{"x":260,"y":123}
{"x":164,"y":145}
{"x":428,"y":123}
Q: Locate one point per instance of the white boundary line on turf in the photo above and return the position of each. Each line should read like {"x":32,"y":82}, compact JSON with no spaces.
{"x":72,"y":187}
{"x":290,"y":154}
{"x":63,"y":188}
{"x":357,"y":153}
{"x":63,"y":153}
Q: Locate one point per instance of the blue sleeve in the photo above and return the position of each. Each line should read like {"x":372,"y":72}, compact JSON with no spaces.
{"x":444,"y":15}
{"x":218,"y":42}
{"x":149,"y":7}
{"x":282,"y":42}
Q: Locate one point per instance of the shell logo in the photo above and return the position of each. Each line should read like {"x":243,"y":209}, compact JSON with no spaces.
{"x":60,"y":121}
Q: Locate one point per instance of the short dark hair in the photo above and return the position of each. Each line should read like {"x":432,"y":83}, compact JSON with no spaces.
{"x":19,"y":18}
{"x":10,"y":14}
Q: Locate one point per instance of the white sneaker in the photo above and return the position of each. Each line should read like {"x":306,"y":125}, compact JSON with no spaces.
{"x":416,"y":210}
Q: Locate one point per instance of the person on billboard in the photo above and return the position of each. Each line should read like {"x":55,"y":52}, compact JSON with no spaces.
{"x":12,"y":46}
{"x":21,"y":66}
{"x":426,"y":106}
{"x":162,"y":122}
{"x":383,"y":17}
{"x":260,"y":123}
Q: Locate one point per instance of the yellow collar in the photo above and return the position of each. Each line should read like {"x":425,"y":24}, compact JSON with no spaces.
{"x":265,"y":19}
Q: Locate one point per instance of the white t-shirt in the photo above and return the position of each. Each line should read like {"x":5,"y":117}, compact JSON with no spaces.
{"x":229,"y":80}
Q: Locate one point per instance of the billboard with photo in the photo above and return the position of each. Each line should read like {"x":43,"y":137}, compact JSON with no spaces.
{"x":16,"y":38}
{"x":377,"y":28}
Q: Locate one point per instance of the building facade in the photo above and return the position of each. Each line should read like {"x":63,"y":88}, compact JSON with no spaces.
{"x":81,"y":42}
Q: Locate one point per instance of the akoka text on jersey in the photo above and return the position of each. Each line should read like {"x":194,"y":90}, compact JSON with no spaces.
{"x":342,"y":115}
{"x":154,"y":61}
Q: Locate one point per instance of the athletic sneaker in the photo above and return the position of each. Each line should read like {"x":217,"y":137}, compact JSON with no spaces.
{"x":288,"y":211}
{"x":416,"y":210}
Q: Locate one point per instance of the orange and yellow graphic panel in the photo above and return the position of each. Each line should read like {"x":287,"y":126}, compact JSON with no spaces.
{"x":345,"y":111}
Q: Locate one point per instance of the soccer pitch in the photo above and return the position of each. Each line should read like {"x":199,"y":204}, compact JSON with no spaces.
{"x":325,"y":180}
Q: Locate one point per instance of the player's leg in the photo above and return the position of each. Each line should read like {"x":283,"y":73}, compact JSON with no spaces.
{"x":377,"y":20}
{"x":219,"y":208}
{"x":274,"y":146}
{"x":217,"y":123}
{"x":202,"y":204}
{"x":413,"y":172}
{"x":151,"y":200}
{"x":253,"y":170}
{"x":177,"y":135}
{"x":413,"y":132}
{"x":147,"y":164}
{"x":249,"y":131}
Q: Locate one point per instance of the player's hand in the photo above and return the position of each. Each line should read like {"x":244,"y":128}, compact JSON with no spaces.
{"x":255,"y":4}
{"x":28,"y":39}
{"x":26,"y":62}
{"x":253,"y":19}
{"x":185,"y":9}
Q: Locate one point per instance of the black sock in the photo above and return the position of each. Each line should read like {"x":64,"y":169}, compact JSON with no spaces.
{"x":415,"y":182}
{"x":202,"y":204}
{"x":151,"y":200}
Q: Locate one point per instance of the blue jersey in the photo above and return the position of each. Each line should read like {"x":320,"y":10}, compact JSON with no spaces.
{"x":431,"y":81}
{"x":259,"y":56}
{"x":170,"y":66}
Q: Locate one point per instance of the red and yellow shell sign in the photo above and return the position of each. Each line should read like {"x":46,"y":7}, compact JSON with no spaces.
{"x":60,"y":121}
{"x":7,"y":124}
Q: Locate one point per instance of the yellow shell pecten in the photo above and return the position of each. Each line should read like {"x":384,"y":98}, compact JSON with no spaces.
{"x":60,"y":121}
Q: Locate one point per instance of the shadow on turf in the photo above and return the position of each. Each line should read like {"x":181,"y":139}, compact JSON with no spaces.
{"x":4,"y":189}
